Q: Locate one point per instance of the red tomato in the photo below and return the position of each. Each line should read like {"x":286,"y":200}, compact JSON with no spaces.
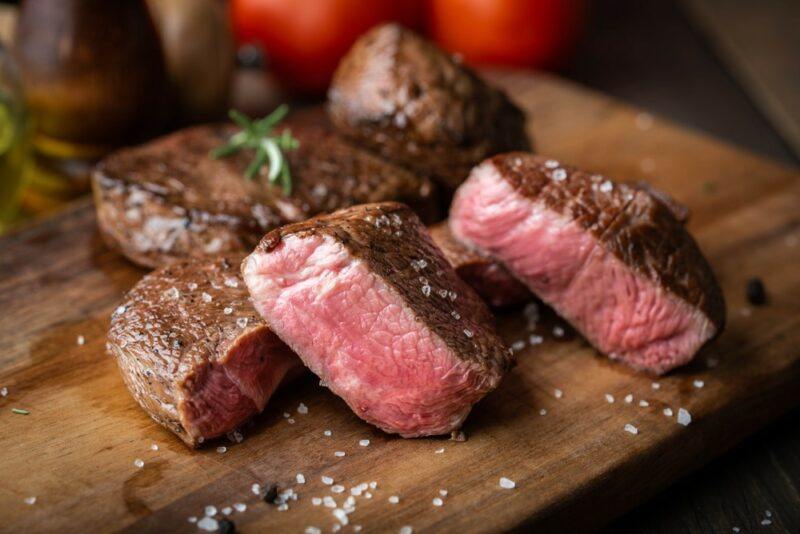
{"x":530,"y":33}
{"x":304,"y":39}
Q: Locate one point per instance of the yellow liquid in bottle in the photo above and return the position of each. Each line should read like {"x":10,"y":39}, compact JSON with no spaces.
{"x":13,"y":155}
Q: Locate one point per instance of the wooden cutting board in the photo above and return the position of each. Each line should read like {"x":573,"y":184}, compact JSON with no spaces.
{"x":574,"y":467}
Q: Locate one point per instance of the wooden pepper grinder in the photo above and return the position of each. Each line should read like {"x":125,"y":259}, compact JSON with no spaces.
{"x":94,"y":79}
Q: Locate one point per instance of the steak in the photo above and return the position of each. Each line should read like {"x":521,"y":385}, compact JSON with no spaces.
{"x":610,"y":258}
{"x":402,"y":96}
{"x":193,"y":351}
{"x":169,"y":200}
{"x":372,"y":307}
{"x":487,"y":276}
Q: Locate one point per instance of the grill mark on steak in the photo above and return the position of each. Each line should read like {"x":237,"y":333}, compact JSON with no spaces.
{"x":407,"y":99}
{"x":343,"y":289}
{"x":193,"y":351}
{"x":488,"y":277}
{"x":168,"y":199}
{"x":639,"y":229}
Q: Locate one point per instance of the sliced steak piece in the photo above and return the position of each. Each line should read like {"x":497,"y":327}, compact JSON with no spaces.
{"x":169,"y":200}
{"x":193,"y":351}
{"x":407,"y":99}
{"x":372,"y":307}
{"x":609,"y":258}
{"x":487,"y":276}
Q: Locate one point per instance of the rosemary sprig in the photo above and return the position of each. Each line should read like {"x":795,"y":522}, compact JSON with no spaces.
{"x":269,"y":148}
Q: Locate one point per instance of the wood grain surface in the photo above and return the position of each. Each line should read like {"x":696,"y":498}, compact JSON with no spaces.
{"x":574,"y":467}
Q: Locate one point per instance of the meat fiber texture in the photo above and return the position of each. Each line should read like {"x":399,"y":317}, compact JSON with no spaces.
{"x":487,"y":276}
{"x":611,"y":259}
{"x":402,"y":96}
{"x":372,"y":307}
{"x":168,"y":199}
{"x":194,"y":353}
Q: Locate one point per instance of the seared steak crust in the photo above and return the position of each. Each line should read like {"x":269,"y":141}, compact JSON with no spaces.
{"x":395,"y":245}
{"x":488,"y":277}
{"x":168,"y":199}
{"x":180,"y":337}
{"x":405,"y":98}
{"x":638,"y":228}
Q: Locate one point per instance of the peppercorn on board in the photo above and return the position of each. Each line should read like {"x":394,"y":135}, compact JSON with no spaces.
{"x":569,"y":440}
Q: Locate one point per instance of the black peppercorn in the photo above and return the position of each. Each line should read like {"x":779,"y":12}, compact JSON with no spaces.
{"x":226,"y":526}
{"x":756,"y":294}
{"x":269,"y":493}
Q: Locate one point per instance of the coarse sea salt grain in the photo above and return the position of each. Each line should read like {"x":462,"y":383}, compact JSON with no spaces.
{"x":341,"y":516}
{"x":684,"y":417}
{"x":394,"y":499}
{"x":644,"y":403}
{"x":30,"y":501}
{"x":208,"y":524}
{"x":329,"y":502}
{"x":4,"y":392}
{"x":667,"y":412}
{"x":628,"y":398}
{"x":290,"y":420}
{"x":443,"y":492}
{"x":326,"y":480}
{"x":338,"y":488}
{"x":227,"y":310}
{"x":192,"y":519}
{"x":631,"y":429}
{"x":468,"y":332}
{"x":766,"y":522}
{"x":327,"y":432}
{"x":300,"y":478}
{"x":559,"y":175}
{"x":227,"y":510}
{"x":655,"y":385}
{"x":439,"y":451}
{"x":138,"y":462}
{"x":507,"y":483}
{"x":210,"y":510}
{"x":154,"y":447}
{"x":206,"y":297}
{"x":81,"y":340}
{"x":609,"y":398}
{"x":364,"y":442}
{"x":240,"y":507}
{"x":437,"y":501}
{"x":551,"y":164}
{"x":312,"y":530}
{"x":256,"y":489}
{"x":339,"y":454}
{"x":406,"y":529}
{"x":302,"y":409}
{"x":241,"y":322}
{"x":542,"y":412}
{"x":699,"y":384}
{"x":283,"y":507}
{"x":222,"y":449}
{"x":558,"y":331}
{"x":518,"y":345}
{"x":535,"y":340}
{"x":316,"y":501}
{"x":558,"y":393}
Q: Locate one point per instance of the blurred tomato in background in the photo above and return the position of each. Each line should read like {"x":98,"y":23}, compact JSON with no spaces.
{"x":304,"y":39}
{"x":521,"y":33}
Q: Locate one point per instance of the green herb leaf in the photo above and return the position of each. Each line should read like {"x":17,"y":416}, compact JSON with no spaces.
{"x":20,"y":411}
{"x":258,"y":135}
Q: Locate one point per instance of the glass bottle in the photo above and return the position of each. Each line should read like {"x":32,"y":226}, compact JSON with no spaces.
{"x":14,"y":138}
{"x":94,"y":80}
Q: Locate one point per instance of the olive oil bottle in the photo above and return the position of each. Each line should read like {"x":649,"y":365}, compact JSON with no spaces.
{"x":14,"y":137}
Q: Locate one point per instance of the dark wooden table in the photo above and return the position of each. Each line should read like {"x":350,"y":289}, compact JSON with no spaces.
{"x":654,"y":55}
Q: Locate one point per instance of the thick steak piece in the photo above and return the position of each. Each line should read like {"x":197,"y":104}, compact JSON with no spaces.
{"x":169,"y":200}
{"x":193,"y":351}
{"x":487,"y":276}
{"x":611,"y":259}
{"x":407,"y":99}
{"x":372,"y":307}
